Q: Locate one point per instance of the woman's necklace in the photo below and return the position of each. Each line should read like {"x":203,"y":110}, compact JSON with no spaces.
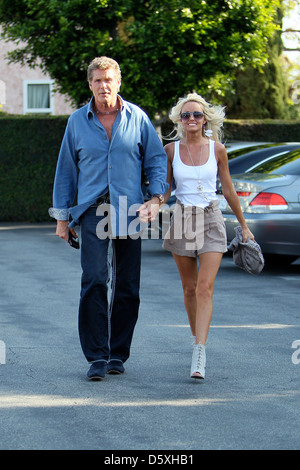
{"x":107,"y":112}
{"x":199,"y":184}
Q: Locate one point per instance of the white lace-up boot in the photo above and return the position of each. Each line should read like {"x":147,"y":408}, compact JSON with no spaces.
{"x":198,"y":362}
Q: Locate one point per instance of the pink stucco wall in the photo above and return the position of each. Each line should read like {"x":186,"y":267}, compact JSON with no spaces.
{"x":13,"y":75}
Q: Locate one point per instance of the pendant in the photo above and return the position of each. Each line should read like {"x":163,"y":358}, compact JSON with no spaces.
{"x":199,"y":187}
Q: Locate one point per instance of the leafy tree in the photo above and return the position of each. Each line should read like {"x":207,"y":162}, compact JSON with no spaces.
{"x":166,"y":48}
{"x":261,"y":94}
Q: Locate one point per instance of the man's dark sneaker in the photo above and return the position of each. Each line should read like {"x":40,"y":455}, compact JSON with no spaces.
{"x":97,"y":370}
{"x":115,"y":366}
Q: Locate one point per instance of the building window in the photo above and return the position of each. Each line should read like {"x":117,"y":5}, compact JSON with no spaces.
{"x":38,"y":96}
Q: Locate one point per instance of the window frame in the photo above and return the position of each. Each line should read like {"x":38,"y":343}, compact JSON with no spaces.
{"x":27,"y":110}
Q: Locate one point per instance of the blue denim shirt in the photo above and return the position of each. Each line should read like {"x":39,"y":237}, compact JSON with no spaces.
{"x":89,"y":165}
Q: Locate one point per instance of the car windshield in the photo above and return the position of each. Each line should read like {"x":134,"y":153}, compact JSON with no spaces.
{"x":287,"y":164}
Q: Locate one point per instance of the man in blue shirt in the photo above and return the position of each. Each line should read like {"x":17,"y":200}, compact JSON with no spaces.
{"x":106,"y":144}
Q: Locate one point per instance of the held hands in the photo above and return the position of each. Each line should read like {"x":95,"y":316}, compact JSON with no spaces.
{"x":149,"y":210}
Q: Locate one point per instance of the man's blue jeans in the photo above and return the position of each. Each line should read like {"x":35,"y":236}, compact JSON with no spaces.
{"x":107,"y":322}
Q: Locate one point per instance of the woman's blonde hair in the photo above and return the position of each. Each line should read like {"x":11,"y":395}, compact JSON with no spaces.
{"x":214,"y":116}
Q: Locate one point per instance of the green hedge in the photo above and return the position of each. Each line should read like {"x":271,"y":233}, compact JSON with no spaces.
{"x":28,"y":154}
{"x":29,"y":149}
{"x":267,"y":130}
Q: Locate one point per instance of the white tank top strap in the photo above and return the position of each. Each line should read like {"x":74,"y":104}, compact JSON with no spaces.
{"x":211,"y":147}
{"x":176,"y":150}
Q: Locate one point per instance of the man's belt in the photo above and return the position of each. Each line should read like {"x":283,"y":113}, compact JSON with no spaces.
{"x":103,"y":199}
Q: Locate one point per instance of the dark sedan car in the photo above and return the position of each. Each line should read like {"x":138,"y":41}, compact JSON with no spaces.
{"x":269,"y":193}
{"x":243,"y":159}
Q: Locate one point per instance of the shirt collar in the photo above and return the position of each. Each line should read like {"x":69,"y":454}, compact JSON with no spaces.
{"x":124,"y":106}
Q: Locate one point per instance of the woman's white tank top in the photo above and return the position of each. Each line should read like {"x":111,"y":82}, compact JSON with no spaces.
{"x":187,"y":179}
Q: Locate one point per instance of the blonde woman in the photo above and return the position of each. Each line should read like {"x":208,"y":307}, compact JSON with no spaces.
{"x":197,"y":230}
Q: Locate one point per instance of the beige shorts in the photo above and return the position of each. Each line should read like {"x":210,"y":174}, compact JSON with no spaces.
{"x":194,"y":230}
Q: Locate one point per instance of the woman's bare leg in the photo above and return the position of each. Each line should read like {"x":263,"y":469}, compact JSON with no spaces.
{"x":208,"y":269}
{"x":188,"y":271}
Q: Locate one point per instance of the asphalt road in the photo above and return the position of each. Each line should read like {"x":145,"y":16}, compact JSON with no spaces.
{"x":251,"y":394}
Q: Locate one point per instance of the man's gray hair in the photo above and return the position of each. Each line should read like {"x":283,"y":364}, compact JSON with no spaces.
{"x":103,"y":63}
